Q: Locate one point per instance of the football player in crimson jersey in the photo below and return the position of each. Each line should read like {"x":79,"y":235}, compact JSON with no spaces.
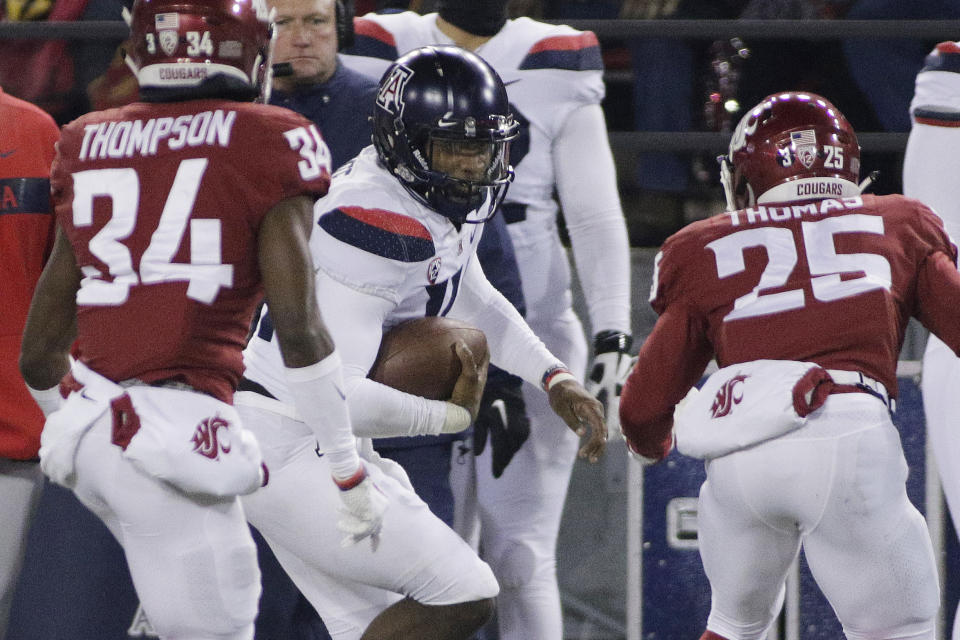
{"x":174,"y":215}
{"x":802,"y":268}
{"x":395,"y":240}
{"x":930,"y":168}
{"x":554,"y":79}
{"x":26,"y":235}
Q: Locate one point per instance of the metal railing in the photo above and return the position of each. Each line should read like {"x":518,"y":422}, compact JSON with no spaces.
{"x":625,"y":144}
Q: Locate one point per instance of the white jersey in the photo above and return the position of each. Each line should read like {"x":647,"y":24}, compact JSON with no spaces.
{"x":550,"y":71}
{"x":383,"y":257}
{"x":937,"y":92}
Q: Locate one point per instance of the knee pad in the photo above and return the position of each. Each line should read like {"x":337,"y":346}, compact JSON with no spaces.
{"x":727,"y":627}
{"x":239,"y":582}
{"x":516,"y":566}
{"x":919,"y":631}
{"x":228,"y":607}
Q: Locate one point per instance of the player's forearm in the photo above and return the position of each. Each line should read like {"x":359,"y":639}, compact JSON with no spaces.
{"x":513,"y":345}
{"x":377,"y":411}
{"x":646,"y":423}
{"x":602,"y":257}
{"x":587,"y":186}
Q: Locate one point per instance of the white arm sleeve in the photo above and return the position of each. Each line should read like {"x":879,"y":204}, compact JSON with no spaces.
{"x":513,"y":345}
{"x":357,"y":328}
{"x":587,"y":186}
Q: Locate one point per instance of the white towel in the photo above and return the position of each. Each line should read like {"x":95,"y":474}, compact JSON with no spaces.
{"x":745,"y":404}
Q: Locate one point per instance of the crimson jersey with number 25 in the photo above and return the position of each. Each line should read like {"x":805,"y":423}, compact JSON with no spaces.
{"x":830,"y":281}
{"x":162,"y":204}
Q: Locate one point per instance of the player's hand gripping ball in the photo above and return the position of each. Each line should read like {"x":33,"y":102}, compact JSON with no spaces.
{"x":418,"y":356}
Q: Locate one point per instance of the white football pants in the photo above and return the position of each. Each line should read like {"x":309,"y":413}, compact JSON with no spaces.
{"x":836,"y":486}
{"x":417,"y":555}
{"x":193,"y":561}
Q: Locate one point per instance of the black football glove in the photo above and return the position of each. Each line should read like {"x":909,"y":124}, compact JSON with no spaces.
{"x":611,"y":365}
{"x":502,"y":415}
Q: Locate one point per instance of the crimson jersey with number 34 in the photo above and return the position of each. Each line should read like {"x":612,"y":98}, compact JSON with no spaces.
{"x":162,"y":203}
{"x":831,"y":281}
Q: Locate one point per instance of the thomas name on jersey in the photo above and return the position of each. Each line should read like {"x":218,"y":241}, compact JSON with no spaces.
{"x":125,"y":138}
{"x":779,"y":214}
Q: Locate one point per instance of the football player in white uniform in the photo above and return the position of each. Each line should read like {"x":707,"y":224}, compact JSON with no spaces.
{"x":554,"y":81}
{"x":930,"y":168}
{"x":395,"y":240}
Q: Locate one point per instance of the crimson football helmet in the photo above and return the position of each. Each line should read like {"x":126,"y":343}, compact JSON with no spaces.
{"x":439,"y":95}
{"x":789,"y":136}
{"x":180,"y":44}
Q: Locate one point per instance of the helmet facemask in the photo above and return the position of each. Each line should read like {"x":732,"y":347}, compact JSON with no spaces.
{"x":462,"y":172}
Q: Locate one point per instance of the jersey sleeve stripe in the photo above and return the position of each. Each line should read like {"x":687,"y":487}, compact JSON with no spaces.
{"x":932,"y":117}
{"x":373,"y":41}
{"x":575,"y":53}
{"x":24,"y":195}
{"x":383,"y":233}
{"x":949,"y":47}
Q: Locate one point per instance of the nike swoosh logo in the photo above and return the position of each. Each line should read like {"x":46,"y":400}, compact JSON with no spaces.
{"x":317,"y":451}
{"x":501,"y":408}
{"x":7,"y":154}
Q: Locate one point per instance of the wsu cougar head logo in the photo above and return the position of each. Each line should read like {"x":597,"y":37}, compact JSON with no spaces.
{"x":207,"y":439}
{"x":727,"y":396}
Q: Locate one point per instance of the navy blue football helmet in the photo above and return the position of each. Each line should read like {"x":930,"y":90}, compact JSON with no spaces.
{"x":445,"y":96}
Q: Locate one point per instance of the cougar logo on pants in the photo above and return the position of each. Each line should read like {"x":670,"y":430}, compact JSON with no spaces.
{"x":727,"y":396}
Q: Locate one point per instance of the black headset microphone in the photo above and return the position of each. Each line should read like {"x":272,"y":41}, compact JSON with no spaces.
{"x":343,"y":10}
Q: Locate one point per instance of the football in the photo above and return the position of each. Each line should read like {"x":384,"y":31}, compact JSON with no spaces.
{"x":418,"y":357}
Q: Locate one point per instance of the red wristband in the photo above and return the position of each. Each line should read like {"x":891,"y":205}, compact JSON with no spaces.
{"x":555,"y":374}
{"x":354,"y":480}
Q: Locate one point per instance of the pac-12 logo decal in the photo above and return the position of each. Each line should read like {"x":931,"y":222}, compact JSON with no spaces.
{"x":727,"y":396}
{"x":169,"y":41}
{"x":805,"y":146}
{"x":433,"y":270}
{"x":390,"y":96}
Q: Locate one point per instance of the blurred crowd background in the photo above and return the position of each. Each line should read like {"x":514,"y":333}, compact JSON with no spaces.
{"x":654,"y":83}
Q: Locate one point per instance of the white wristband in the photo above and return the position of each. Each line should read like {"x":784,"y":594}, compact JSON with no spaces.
{"x":344,"y":463}
{"x":49,"y":400}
